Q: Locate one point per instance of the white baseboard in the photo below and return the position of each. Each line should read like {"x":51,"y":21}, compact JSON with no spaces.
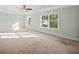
{"x":59,"y":35}
{"x":68,"y":37}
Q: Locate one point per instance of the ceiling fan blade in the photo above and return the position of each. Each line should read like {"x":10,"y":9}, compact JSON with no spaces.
{"x":20,"y":9}
{"x":28,"y":9}
{"x":24,"y":8}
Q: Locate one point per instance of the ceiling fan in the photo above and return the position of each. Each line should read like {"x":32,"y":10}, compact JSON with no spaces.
{"x":24,"y":8}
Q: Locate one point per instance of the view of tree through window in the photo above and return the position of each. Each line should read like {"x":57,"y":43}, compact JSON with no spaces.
{"x":45,"y":21}
{"x":50,"y":21}
{"x":53,"y":21}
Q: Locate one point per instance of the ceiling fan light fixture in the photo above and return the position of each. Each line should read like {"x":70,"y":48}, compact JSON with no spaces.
{"x":24,"y":8}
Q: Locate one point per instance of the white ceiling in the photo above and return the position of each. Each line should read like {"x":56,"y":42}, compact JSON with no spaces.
{"x":15,"y":8}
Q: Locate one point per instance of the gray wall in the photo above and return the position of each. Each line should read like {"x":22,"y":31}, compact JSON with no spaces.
{"x":68,"y":22}
{"x":8,"y":20}
{"x":78,"y":23}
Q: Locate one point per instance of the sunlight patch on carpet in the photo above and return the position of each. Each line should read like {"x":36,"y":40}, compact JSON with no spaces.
{"x":9,"y":36}
{"x":23,"y":33}
{"x":25,"y":36}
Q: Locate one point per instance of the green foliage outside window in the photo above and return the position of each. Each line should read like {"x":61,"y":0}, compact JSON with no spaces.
{"x":52,"y":19}
{"x":44,"y":21}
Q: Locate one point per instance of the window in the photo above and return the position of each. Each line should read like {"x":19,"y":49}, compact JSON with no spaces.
{"x":28,"y":20}
{"x":44,"y":21}
{"x":53,"y":21}
{"x":50,"y":21}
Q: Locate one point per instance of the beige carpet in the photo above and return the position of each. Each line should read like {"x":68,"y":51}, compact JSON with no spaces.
{"x":30,"y":42}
